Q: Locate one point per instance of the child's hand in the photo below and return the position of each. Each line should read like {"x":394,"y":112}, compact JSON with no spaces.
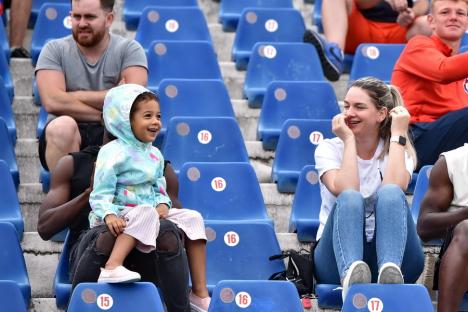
{"x":163,"y":211}
{"x":115,"y":224}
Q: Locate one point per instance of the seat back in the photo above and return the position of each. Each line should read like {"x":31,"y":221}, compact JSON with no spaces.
{"x":5,"y":74}
{"x":53,"y":22}
{"x":240,"y":251}
{"x":181,"y":60}
{"x":10,"y":210}
{"x":294,"y":99}
{"x":62,"y":283}
{"x":265,"y":25}
{"x":7,"y":152}
{"x":279,"y":61}
{"x":36,"y":8}
{"x":11,"y":297}
{"x":255,"y":296}
{"x":6,"y":111}
{"x":375,"y":60}
{"x":203,"y":139}
{"x":222,"y":191}
{"x":4,"y":44}
{"x":120,"y":297}
{"x":171,"y":23}
{"x":422,"y":184}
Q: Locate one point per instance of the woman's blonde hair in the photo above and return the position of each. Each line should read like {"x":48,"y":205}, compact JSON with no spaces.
{"x":388,"y":96}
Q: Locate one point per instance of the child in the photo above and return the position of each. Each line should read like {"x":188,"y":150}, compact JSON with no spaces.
{"x":129,"y":185}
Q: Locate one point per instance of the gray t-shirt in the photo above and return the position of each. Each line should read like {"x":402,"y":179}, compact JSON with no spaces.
{"x":63,"y":55}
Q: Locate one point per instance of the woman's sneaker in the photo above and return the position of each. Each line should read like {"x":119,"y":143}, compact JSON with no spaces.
{"x":358,"y":273}
{"x":118,"y":275}
{"x":199,"y":304}
{"x":390,"y":273}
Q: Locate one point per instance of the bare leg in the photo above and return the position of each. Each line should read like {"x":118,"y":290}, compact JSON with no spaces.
{"x":196,"y":252}
{"x":124,"y":244}
{"x":453,"y":273}
{"x":335,"y":20}
{"x":19,"y":16}
{"x":63,"y":137}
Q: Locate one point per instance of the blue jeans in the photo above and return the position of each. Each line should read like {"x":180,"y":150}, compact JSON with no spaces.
{"x":343,"y":240}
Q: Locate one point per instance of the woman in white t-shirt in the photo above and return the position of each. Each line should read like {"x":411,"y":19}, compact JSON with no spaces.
{"x":365,"y":222}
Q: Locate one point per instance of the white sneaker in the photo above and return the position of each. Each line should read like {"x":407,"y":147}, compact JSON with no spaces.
{"x":390,"y":273}
{"x":118,"y":275}
{"x":358,"y":273}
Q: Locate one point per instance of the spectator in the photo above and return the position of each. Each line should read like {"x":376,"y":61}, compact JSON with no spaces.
{"x":365,"y":222}
{"x":433,"y":78}
{"x":74,"y":73}
{"x":19,"y":17}
{"x":443,"y":213}
{"x":348,"y":23}
{"x":129,"y":194}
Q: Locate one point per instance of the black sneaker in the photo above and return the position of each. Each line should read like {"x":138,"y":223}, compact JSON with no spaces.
{"x":329,"y":53}
{"x":20,"y":53}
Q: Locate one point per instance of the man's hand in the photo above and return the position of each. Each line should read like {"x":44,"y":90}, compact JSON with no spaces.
{"x":398,"y":5}
{"x":163,"y":211}
{"x":406,"y":17}
{"x":115,"y":224}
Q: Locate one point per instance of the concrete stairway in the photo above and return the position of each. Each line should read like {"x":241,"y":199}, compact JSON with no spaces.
{"x":42,"y":257}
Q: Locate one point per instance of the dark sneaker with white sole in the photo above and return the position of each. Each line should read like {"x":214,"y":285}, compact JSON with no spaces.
{"x":329,"y":53}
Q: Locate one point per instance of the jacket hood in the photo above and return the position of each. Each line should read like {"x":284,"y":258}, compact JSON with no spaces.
{"x":116,"y":112}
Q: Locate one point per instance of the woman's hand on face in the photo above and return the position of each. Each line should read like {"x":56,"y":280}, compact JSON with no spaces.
{"x":400,"y":120}
{"x":340,"y":128}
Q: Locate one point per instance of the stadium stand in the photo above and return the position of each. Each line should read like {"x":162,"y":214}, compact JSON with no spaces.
{"x":7,"y":153}
{"x":6,"y":112}
{"x":10,"y":210}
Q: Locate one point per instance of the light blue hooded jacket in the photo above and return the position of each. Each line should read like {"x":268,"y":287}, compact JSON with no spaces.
{"x":128,"y":172}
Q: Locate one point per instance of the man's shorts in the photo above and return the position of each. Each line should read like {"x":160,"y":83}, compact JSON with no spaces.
{"x":362,"y":30}
{"x":91,"y":135}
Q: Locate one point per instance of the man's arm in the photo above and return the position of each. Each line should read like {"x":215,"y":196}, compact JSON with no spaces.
{"x":57,"y":210}
{"x":434,"y":218}
{"x":172,"y":187}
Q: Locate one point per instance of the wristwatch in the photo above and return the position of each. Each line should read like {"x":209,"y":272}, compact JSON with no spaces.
{"x":399,"y":139}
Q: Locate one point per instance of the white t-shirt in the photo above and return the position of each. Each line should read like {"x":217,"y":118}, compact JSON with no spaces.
{"x":457,"y":167}
{"x":329,"y":155}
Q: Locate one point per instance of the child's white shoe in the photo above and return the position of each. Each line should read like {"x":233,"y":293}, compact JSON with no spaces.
{"x":118,"y":275}
{"x":199,"y":304}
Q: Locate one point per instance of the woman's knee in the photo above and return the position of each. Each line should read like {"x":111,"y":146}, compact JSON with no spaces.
{"x":390,"y":192}
{"x":350,"y":199}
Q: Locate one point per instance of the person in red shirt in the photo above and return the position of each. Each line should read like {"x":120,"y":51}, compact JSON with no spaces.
{"x":433,"y":78}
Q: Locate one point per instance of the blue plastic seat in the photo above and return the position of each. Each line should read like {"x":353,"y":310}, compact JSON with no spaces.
{"x":132,"y":10}
{"x":124,"y":297}
{"x":11,"y":297}
{"x":10,"y":210}
{"x":317,"y":15}
{"x":267,"y":25}
{"x":293,"y":99}
{"x":203,"y":139}
{"x":388,"y":297}
{"x":12,"y":264}
{"x":53,"y":22}
{"x":171,"y":23}
{"x":420,"y":189}
{"x":192,"y":98}
{"x":329,"y":296}
{"x":6,"y":76}
{"x":377,"y":60}
{"x":62,"y":283}
{"x":230,"y":10}
{"x":4,"y":43}
{"x":7,"y":152}
{"x":255,"y":296}
{"x":240,"y":251}
{"x":181,"y":60}
{"x":222,"y":191}
{"x":279,"y":61}
{"x":296,"y":147}
{"x":306,"y":205}
{"x":6,"y":112}
{"x":36,"y":7}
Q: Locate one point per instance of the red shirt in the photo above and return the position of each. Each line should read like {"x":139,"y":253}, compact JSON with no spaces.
{"x":432,"y":81}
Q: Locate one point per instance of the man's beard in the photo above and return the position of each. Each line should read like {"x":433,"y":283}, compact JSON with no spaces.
{"x":92,"y":39}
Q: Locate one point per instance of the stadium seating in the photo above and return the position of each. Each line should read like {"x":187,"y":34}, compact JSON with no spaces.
{"x":255,"y":296}
{"x":422,"y":183}
{"x":293,"y":99}
{"x":222,"y":191}
{"x":11,"y":297}
{"x":4,"y":44}
{"x":94,"y":297}
{"x":7,"y":152}
{"x":171,"y":23}
{"x":240,"y":252}
{"x":62,"y":283}
{"x":203,"y":139}
{"x":279,"y":61}
{"x":10,"y":210}
{"x":306,"y":205}
{"x":296,"y":147}
{"x":230,"y":10}
{"x":6,"y":112}
{"x":329,"y":296}
{"x":376,"y":60}
{"x":132,"y":10}
{"x":36,"y":8}
{"x":6,"y":76}
{"x":260,"y":24}
{"x":194,"y":98}
{"x":387,"y":297}
{"x":12,"y":264}
{"x":181,"y":60}
{"x":317,"y":15}
{"x":53,"y":22}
